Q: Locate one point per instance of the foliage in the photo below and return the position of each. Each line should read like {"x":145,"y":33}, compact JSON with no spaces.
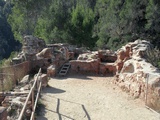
{"x":89,"y":23}
{"x":7,"y":62}
{"x":7,"y":41}
{"x":81,"y":25}
{"x":153,"y":57}
{"x":119,"y":21}
{"x":153,"y":21}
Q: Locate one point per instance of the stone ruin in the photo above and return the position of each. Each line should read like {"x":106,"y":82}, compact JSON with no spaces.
{"x":129,"y":65}
{"x":97,"y":62}
{"x":41,"y":55}
{"x":12,"y":102}
{"x":136,"y":75}
{"x":31,"y":46}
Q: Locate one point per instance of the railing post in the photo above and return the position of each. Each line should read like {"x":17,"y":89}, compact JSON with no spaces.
{"x":2,"y":84}
{"x":14,"y":76}
{"x":33,"y":101}
{"x":147,"y":77}
{"x":31,"y":96}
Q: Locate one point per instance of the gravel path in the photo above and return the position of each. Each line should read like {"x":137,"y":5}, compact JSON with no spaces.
{"x":90,"y":98}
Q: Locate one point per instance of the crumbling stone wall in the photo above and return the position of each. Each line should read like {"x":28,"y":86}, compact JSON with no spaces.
{"x":80,"y":66}
{"x":132,"y":71}
{"x":14,"y":73}
{"x":93,"y":62}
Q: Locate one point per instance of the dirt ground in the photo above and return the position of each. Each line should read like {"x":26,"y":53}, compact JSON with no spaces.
{"x":80,"y":97}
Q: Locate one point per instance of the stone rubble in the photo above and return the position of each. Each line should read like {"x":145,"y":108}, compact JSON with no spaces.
{"x":15,"y":102}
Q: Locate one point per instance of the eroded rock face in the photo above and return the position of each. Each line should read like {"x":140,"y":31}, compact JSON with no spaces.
{"x":135,"y":75}
{"x":31,"y":46}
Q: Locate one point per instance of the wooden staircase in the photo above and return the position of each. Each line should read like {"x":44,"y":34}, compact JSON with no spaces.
{"x":63,"y":71}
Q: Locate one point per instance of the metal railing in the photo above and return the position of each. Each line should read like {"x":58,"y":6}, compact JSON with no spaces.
{"x":146,"y":96}
{"x":36,"y":85}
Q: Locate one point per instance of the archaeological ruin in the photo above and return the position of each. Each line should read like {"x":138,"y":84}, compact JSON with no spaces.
{"x":129,"y":66}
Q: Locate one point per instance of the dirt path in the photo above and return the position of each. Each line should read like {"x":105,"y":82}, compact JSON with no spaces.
{"x":90,"y":98}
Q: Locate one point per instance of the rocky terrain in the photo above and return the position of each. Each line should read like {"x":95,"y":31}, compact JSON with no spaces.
{"x":136,"y":75}
{"x":131,"y":68}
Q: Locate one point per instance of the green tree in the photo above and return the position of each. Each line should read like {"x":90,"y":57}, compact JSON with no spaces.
{"x":7,"y":41}
{"x":153,"y":21}
{"x":53,"y":23}
{"x":82,"y":22}
{"x":119,"y":21}
{"x":24,"y":16}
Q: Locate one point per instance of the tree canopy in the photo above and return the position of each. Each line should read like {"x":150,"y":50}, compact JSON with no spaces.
{"x":88,"y":23}
{"x":7,"y":41}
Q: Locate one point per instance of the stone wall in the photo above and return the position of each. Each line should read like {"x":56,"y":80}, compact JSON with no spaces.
{"x":134,"y":73}
{"x":82,"y":66}
{"x":107,"y":68}
{"x":13,"y":73}
{"x":3,"y":113}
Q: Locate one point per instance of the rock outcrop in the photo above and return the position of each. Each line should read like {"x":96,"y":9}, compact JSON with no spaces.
{"x":31,"y":46}
{"x":136,"y":75}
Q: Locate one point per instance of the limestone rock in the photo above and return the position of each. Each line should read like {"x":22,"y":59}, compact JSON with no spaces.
{"x":45,"y":53}
{"x":24,"y":80}
{"x":43,"y":78}
{"x":31,"y":46}
{"x":133,"y":70}
{"x":88,"y":56}
{"x":51,"y":71}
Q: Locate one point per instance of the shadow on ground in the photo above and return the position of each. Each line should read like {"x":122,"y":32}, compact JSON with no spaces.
{"x":50,"y":89}
{"x":81,"y":77}
{"x":85,"y":76}
{"x":62,"y":116}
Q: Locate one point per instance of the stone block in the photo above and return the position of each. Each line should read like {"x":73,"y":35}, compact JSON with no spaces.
{"x":44,"y":79}
{"x":3,"y":113}
{"x":51,"y":71}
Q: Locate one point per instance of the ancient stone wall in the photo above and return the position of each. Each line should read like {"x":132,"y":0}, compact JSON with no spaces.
{"x":13,"y":73}
{"x":82,"y":66}
{"x":137,"y":76}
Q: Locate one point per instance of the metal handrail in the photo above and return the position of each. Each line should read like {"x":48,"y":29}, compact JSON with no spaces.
{"x":29,"y":95}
